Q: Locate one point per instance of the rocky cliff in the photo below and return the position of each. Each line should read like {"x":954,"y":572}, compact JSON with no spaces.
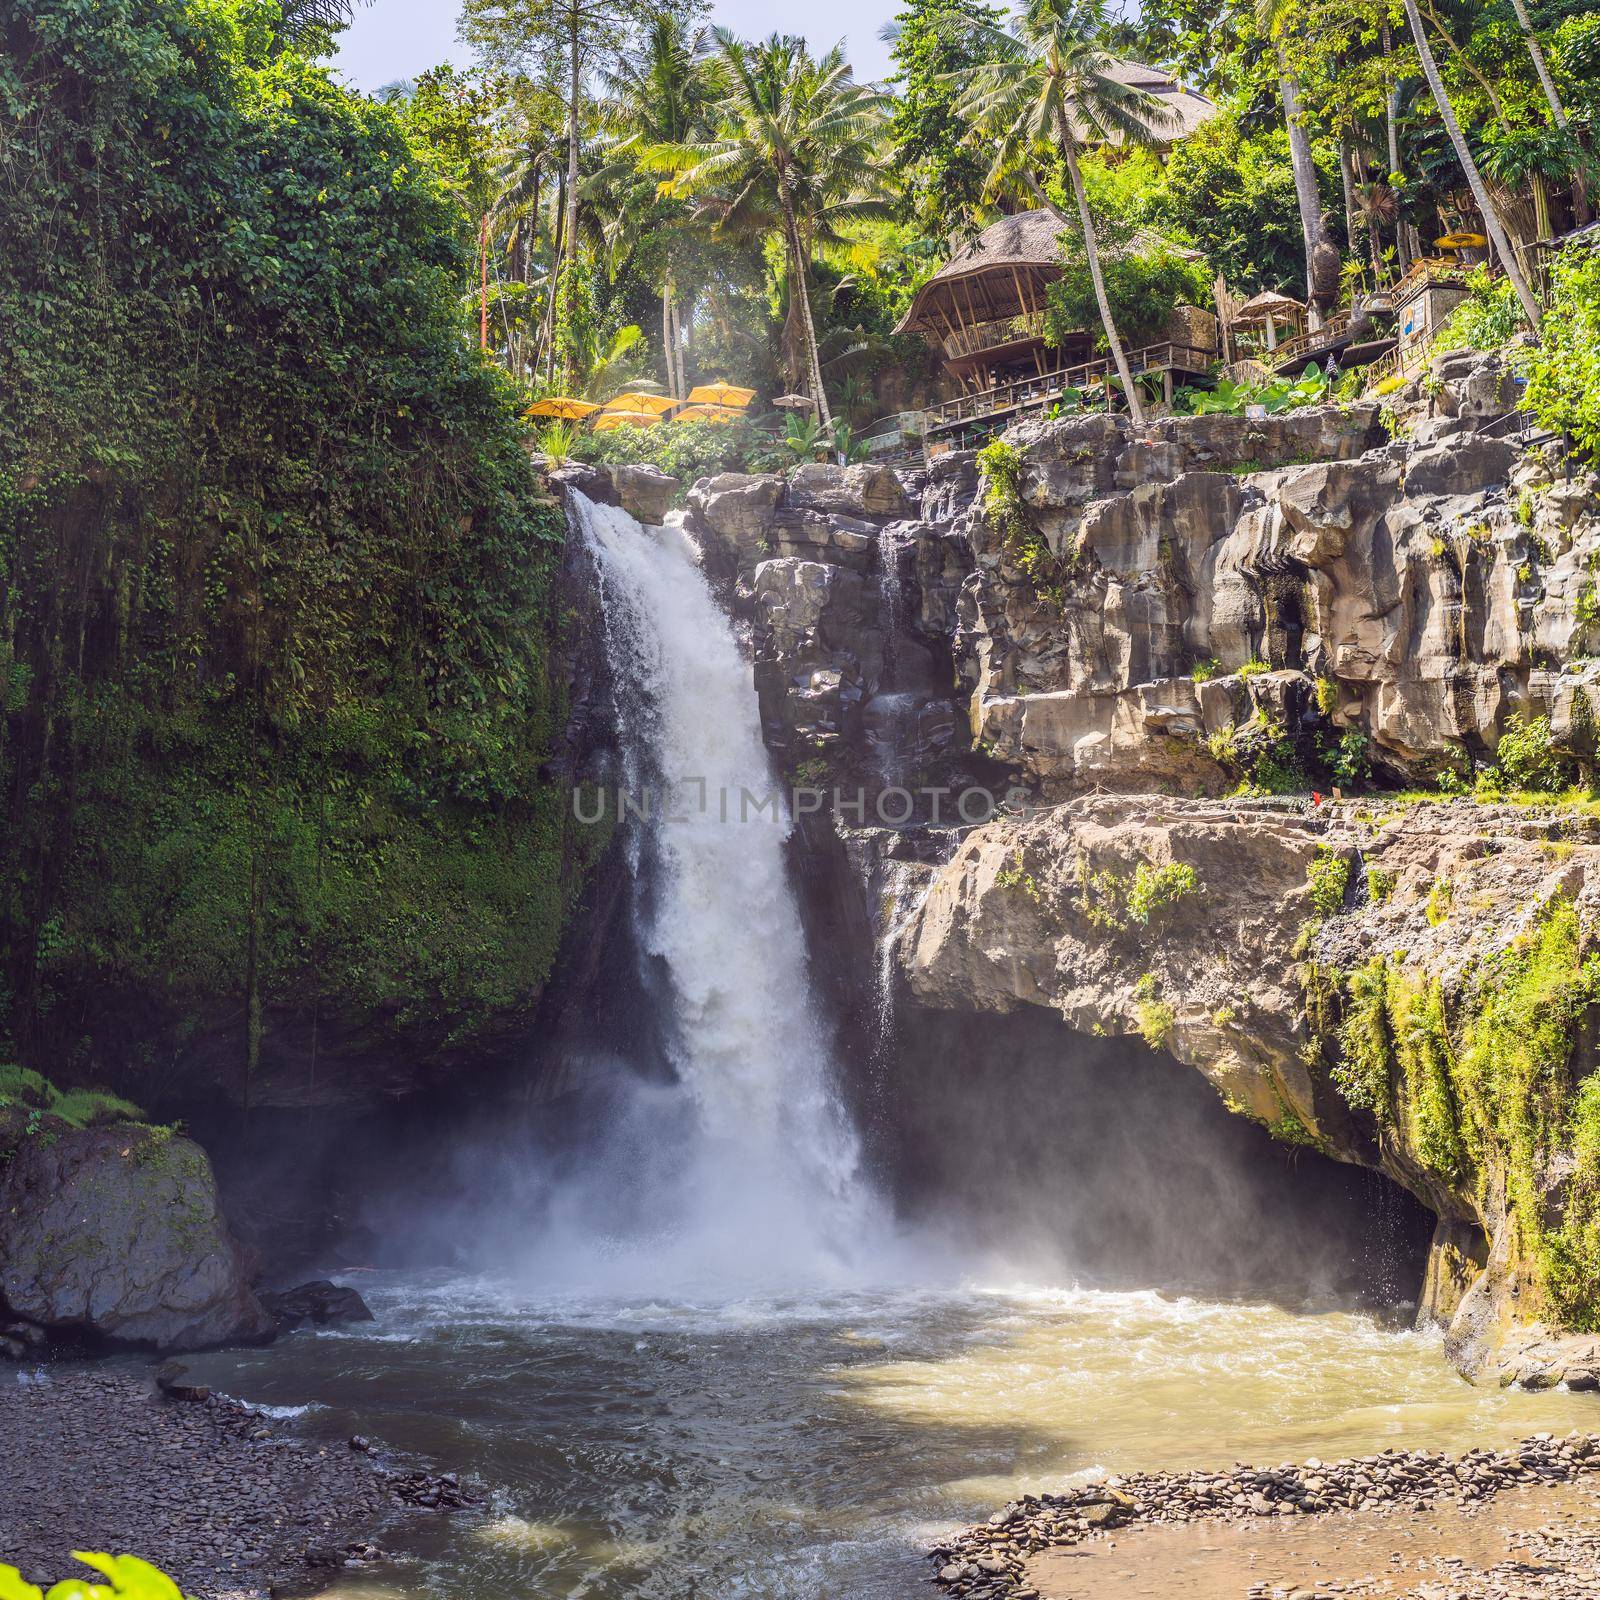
{"x":1114,"y":628}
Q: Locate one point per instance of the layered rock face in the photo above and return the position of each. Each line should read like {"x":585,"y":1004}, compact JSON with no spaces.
{"x":1417,"y":590}
{"x":1165,"y":611}
{"x":1403,"y":987}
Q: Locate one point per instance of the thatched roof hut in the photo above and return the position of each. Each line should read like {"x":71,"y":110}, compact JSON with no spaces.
{"x":984,"y":308}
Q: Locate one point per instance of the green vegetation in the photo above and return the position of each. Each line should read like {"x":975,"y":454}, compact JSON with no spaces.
{"x":1486,"y":319}
{"x":1483,"y":1084}
{"x":1564,"y":370}
{"x":1000,"y":469}
{"x":24,"y":1090}
{"x":1142,"y":288}
{"x":1154,"y":1017}
{"x":1118,"y":900}
{"x":1230,"y":398}
{"x":128,"y":1578}
{"x":1329,"y":878}
{"x":277,"y":576}
{"x":1527,"y":758}
{"x":1154,"y":888}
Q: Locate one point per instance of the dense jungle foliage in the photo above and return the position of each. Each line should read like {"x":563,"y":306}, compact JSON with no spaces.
{"x":275,"y":573}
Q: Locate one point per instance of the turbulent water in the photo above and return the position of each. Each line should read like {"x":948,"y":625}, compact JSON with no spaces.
{"x":790,"y":1447}
{"x":761,"y":1183}
{"x":704,"y":1365}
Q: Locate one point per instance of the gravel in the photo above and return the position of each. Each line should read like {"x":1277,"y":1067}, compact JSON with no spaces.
{"x":209,"y":1490}
{"x":987,"y":1562}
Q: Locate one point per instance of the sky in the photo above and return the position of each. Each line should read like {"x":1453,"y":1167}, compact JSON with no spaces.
{"x":393,"y":39}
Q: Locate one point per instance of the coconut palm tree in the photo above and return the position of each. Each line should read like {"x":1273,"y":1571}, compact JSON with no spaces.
{"x":796,"y":151}
{"x":663,"y":95}
{"x":1048,"y":89}
{"x":1480,"y":191}
{"x":1557,"y":109}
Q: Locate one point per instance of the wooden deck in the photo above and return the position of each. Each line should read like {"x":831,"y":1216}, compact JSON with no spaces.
{"x":1023,"y":396}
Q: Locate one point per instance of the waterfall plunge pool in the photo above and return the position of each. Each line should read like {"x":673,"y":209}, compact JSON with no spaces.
{"x":780,"y":1446}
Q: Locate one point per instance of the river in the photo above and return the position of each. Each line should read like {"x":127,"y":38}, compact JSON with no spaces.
{"x":774,"y":1447}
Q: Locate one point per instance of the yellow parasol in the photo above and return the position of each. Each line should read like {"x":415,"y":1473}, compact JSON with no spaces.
{"x":625,"y":419}
{"x":720,"y":394}
{"x":562,"y":406}
{"x":705,"y":413}
{"x":1461,"y":241}
{"x":635,"y":400}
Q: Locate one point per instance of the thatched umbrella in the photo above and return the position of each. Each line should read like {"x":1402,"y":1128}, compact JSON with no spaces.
{"x":1267,"y":309}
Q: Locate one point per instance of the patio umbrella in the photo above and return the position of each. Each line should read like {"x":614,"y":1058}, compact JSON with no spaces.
{"x":562,"y":406}
{"x":1460,"y":239}
{"x":794,"y":402}
{"x":720,"y":394}
{"x":635,"y":400}
{"x":1268,"y":309}
{"x":625,"y":419}
{"x":708,"y":413}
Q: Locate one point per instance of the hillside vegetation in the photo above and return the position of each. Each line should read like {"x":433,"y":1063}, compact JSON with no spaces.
{"x":275,"y":574}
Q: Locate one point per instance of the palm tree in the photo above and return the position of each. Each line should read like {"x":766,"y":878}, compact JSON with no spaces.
{"x":663,"y":95}
{"x":1480,"y":192}
{"x":796,"y":150}
{"x":1050,"y":87}
{"x":1272,"y":17}
{"x":1557,"y":110}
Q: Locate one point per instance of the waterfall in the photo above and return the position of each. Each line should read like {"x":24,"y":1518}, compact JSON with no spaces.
{"x":764,"y":1167}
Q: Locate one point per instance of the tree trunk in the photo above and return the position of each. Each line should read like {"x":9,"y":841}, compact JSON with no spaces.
{"x":1480,"y":193}
{"x":1348,"y":188}
{"x":680,"y":352}
{"x":1091,"y":249}
{"x":573,"y":90}
{"x":666,"y":338}
{"x":1580,"y":190}
{"x":799,"y":289}
{"x":1305,"y":172}
{"x":1405,"y":236}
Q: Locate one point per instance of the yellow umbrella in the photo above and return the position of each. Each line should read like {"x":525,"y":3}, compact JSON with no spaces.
{"x":625,"y":419}
{"x":560,"y":405}
{"x":720,"y":394}
{"x":633,"y":400}
{"x":702,"y":413}
{"x":1461,"y":241}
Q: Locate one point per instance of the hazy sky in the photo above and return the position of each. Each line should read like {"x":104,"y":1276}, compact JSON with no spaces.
{"x":399,"y":38}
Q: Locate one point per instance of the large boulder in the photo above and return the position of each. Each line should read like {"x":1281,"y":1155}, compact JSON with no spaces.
{"x":114,"y":1235}
{"x":646,"y":493}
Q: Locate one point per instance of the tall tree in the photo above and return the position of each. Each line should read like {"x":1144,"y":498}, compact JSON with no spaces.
{"x":1279,"y":19}
{"x":1050,"y":87}
{"x":941,"y":174}
{"x":1557,"y":109}
{"x":663,"y":94}
{"x":562,"y":44}
{"x":1480,"y":192}
{"x":797,"y":151}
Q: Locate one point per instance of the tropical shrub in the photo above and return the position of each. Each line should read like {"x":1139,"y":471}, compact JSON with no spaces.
{"x":1564,"y":370}
{"x":1487,"y":318}
{"x":128,"y":1578}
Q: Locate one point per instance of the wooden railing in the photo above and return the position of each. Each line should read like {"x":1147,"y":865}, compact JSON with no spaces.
{"x":991,"y":335}
{"x":1308,"y":344}
{"x":1023,"y":394}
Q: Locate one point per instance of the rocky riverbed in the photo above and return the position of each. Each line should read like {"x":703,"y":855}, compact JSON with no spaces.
{"x":208,"y":1488}
{"x":1016,"y":1554}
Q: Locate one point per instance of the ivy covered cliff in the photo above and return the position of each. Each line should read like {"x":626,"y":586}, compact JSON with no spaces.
{"x":277,"y":581}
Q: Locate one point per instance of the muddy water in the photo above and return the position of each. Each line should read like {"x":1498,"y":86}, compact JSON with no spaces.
{"x":798,"y":1446}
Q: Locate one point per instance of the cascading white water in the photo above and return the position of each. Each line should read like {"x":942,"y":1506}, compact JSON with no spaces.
{"x":771,"y":1172}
